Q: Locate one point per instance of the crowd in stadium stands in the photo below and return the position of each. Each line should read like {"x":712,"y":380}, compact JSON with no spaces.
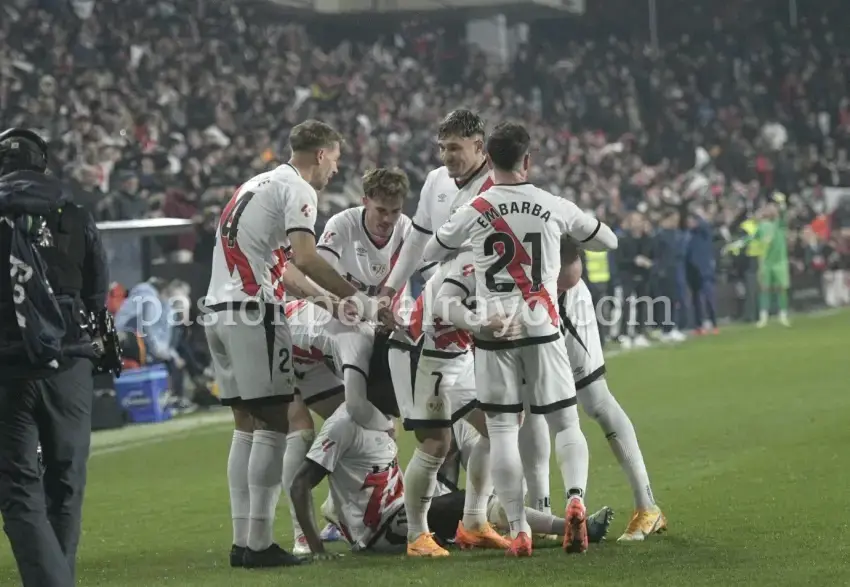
{"x":163,"y":107}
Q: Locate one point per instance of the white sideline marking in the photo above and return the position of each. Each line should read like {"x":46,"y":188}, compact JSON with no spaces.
{"x":108,"y":441}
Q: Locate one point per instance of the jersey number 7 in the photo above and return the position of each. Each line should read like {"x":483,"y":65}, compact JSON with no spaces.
{"x":512,"y":259}
{"x":233,"y":255}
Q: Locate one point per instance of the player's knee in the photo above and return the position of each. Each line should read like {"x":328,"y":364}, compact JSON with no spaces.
{"x":501,"y":423}
{"x":272,"y":418}
{"x":477,"y":420}
{"x":298,"y":415}
{"x":434,"y":441}
{"x":562,"y":419}
{"x":242,"y":420}
{"x":595,"y":399}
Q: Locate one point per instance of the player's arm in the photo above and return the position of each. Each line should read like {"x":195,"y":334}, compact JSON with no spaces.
{"x":301,"y":220}
{"x":589,"y":232}
{"x":297,"y":284}
{"x":308,"y":476}
{"x":323,"y":457}
{"x":451,"y":235}
{"x":355,"y":352}
{"x":414,"y":245}
{"x":332,"y":243}
{"x":449,"y":303}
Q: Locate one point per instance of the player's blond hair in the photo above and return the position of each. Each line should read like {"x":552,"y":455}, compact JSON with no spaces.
{"x":312,"y":135}
{"x":386,"y":182}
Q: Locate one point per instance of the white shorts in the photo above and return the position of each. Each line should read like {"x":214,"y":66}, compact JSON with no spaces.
{"x":435,"y":392}
{"x":316,"y":382}
{"x":252,"y":355}
{"x":538,"y":375}
{"x":581,"y":332}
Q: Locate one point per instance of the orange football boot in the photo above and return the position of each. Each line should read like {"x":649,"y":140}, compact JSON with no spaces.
{"x":484,"y":537}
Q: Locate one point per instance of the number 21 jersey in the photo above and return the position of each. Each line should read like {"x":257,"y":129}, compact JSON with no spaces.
{"x":515,"y":233}
{"x":256,"y":222}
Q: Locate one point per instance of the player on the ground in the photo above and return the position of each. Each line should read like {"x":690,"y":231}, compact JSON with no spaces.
{"x":365,"y":480}
{"x":581,"y":332}
{"x":433,"y":393}
{"x":515,"y":231}
{"x":332,"y":361}
{"x":250,"y":341}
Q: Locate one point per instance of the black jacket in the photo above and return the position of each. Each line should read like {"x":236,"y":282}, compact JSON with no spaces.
{"x":628,"y":249}
{"x":67,"y":268}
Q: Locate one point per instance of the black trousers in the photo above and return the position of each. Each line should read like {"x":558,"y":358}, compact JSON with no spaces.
{"x":42,"y":516}
{"x":634,"y":308}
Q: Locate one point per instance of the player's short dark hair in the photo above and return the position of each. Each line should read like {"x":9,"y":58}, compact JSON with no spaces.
{"x":461,"y":123}
{"x":386,"y":183}
{"x":312,"y":135}
{"x":507,"y":145}
{"x":569,"y":250}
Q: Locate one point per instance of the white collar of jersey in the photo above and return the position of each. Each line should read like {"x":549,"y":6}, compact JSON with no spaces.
{"x":292,"y":167}
{"x":472,"y":176}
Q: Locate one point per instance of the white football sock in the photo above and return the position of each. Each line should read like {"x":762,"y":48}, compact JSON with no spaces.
{"x":237,"y":479}
{"x":570,"y":448}
{"x":599,"y":404}
{"x":535,"y":446}
{"x":543,"y":523}
{"x":265,"y":472}
{"x":298,"y":444}
{"x":479,"y":485}
{"x":420,"y":483}
{"x":503,"y":430}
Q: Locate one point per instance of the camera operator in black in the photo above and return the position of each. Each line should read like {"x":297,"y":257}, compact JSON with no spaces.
{"x":47,"y":401}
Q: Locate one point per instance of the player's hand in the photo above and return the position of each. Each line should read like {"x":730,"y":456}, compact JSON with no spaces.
{"x":386,"y":295}
{"x":325,"y":556}
{"x":500,"y":326}
{"x":386,"y":319}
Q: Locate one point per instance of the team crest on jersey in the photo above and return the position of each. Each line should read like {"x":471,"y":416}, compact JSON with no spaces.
{"x":379,"y":269}
{"x":306,"y":210}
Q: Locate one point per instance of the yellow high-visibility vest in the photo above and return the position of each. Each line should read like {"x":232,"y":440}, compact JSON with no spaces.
{"x":754,"y":247}
{"x":597,"y":266}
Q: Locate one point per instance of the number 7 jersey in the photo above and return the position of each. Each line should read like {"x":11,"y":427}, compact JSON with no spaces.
{"x":515,"y":233}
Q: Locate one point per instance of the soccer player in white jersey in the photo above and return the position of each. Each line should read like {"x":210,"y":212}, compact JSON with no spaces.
{"x":364,"y":243}
{"x":581,"y":332}
{"x":515,"y":231}
{"x":465,"y":174}
{"x":432,"y":394}
{"x":249,"y":340}
{"x":364,"y":478}
{"x":330,"y":357}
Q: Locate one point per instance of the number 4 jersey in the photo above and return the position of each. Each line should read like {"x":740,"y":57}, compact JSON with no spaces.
{"x":515,"y":233}
{"x":257,"y":221}
{"x":364,"y":478}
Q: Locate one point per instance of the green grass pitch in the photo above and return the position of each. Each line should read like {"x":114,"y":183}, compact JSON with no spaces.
{"x":746,"y":437}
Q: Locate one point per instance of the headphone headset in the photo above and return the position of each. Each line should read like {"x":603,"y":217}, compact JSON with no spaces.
{"x":22,"y":149}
